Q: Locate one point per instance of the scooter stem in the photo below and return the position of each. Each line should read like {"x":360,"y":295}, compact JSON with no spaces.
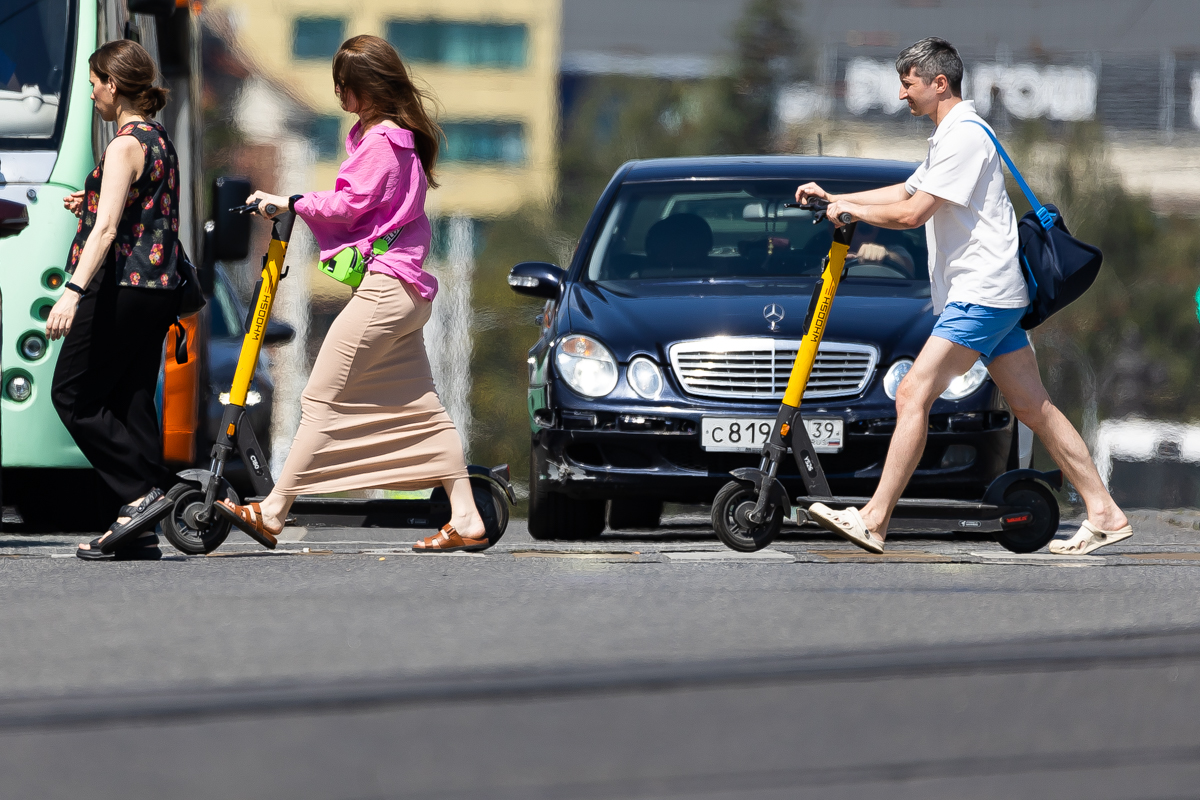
{"x":260,"y":311}
{"x":819,"y":315}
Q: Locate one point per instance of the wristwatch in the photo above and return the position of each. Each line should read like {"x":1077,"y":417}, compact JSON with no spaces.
{"x":292,"y":202}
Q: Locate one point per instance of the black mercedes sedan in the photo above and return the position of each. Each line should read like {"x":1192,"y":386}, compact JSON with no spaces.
{"x":667,"y":342}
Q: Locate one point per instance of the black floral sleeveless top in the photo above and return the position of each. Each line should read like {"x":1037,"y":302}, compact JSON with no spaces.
{"x":145,"y":252}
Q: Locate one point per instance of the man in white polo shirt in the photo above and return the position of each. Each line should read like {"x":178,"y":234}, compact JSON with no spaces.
{"x":979,"y":293}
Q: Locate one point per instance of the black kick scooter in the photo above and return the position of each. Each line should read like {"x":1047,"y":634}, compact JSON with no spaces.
{"x":193,"y":527}
{"x":747,"y":514}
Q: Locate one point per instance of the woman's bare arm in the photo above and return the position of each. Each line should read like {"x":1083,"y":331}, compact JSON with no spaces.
{"x":123,"y":161}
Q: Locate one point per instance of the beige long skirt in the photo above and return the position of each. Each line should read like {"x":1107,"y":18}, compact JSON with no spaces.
{"x":371,"y":417}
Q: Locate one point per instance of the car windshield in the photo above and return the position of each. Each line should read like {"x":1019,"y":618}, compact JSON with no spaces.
{"x":33,"y":50}
{"x":716,"y":230}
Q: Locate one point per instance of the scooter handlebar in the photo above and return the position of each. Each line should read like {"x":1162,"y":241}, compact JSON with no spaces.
{"x":251,"y":208}
{"x":818,"y":206}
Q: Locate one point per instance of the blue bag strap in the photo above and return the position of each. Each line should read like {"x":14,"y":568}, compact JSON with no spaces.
{"x":1044,"y":215}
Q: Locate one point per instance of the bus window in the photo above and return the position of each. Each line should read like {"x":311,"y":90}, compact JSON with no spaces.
{"x":33,"y":49}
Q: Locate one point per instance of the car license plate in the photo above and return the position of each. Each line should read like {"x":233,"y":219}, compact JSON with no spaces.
{"x":740,"y":434}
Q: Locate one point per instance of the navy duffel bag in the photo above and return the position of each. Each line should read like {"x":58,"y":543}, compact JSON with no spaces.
{"x":1058,"y":267}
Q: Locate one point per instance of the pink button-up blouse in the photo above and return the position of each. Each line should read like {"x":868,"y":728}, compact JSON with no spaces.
{"x":379,"y":188}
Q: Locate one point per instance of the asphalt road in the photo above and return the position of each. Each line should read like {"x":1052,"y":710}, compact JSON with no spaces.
{"x":644,"y":665}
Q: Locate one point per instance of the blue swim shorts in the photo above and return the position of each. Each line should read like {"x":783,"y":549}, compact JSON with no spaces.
{"x":991,"y":332}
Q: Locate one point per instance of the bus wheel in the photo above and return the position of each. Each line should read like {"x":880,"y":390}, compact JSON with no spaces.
{"x":184,"y":527}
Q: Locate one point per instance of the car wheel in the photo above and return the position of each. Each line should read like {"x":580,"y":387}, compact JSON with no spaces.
{"x":554,"y":516}
{"x":636,"y":513}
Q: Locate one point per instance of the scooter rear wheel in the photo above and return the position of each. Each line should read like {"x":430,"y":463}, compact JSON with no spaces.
{"x":730,"y":511}
{"x":187,"y":533}
{"x":492,"y":506}
{"x":1041,"y":503}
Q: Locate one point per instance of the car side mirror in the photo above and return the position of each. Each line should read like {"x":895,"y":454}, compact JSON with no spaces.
{"x":537,"y":279}
{"x":278,"y":332}
{"x":231,"y":231}
{"x":14,"y":218}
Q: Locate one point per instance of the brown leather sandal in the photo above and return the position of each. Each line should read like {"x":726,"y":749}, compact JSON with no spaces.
{"x":448,"y":540}
{"x":240,"y":516}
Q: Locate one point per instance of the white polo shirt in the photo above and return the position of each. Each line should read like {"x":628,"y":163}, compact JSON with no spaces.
{"x":973,"y":236}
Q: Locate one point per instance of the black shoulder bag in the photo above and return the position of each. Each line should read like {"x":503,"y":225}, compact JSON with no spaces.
{"x":1058,"y":267}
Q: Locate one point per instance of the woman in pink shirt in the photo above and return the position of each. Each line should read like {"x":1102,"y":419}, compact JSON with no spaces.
{"x":371,"y":417}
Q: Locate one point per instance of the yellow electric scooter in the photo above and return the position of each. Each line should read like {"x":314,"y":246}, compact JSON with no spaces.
{"x":192,"y":526}
{"x":1018,"y":507}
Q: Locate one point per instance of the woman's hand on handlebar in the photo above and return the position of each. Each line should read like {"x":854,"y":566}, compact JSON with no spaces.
{"x":810,"y":190}
{"x":263,"y":200}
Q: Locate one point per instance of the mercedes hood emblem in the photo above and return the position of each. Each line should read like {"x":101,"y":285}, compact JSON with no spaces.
{"x":773,"y":314}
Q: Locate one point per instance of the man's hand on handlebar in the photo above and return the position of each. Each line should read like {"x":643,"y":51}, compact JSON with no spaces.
{"x":269,"y":205}
{"x":841,"y":213}
{"x":811,"y":190}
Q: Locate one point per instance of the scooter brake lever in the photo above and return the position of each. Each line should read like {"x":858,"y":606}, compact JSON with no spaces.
{"x":815,"y":205}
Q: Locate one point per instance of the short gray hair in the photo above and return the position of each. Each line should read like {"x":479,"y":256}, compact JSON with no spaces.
{"x":932,"y":57}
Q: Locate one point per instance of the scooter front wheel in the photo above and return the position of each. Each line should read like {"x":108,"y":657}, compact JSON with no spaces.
{"x":183,"y":526}
{"x":731,"y":519}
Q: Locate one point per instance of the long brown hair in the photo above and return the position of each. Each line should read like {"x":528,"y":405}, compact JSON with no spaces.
{"x":371,"y":68}
{"x":130,"y":67}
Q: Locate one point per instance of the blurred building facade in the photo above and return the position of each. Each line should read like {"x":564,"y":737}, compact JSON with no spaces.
{"x":492,"y":67}
{"x":1131,"y":66}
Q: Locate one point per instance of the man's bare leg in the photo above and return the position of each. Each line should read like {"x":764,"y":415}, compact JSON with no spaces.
{"x":939,"y":362}
{"x":1019,"y":380}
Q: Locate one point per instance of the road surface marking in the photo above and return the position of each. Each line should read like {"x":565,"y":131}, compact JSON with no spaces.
{"x":729,"y":555}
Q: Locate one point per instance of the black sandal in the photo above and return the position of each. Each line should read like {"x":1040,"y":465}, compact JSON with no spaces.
{"x":143,"y":548}
{"x":144,"y":516}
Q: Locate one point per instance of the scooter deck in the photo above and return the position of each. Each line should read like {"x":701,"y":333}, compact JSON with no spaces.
{"x":343,"y":512}
{"x":927,"y":514}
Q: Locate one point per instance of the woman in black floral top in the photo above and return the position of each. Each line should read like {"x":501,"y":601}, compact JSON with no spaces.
{"x":120,"y":300}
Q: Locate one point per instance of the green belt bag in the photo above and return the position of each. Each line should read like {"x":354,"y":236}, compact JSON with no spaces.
{"x":349,"y":266}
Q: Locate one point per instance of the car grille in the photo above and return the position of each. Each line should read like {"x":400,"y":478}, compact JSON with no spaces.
{"x":757,"y":368}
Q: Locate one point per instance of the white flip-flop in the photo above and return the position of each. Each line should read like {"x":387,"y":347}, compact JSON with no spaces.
{"x":847,"y":524}
{"x":1089,"y":538}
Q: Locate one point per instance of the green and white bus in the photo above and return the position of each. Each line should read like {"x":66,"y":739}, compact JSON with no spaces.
{"x":50,"y":139}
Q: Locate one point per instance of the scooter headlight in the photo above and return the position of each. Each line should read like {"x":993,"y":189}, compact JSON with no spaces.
{"x":895,"y":374}
{"x":586,"y":365}
{"x":966,"y":384}
{"x":645,"y":377}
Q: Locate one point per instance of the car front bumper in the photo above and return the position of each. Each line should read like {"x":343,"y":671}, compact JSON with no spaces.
{"x":605,"y":452}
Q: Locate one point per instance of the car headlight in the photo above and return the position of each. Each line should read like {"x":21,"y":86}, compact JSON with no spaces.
{"x":895,"y":374}
{"x":962,"y":386}
{"x":586,"y":365}
{"x":645,"y":377}
{"x":967,"y":383}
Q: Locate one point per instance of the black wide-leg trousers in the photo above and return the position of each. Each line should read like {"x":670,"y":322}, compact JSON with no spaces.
{"x":105,"y":381}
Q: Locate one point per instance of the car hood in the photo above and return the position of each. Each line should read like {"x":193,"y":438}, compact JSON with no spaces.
{"x":664,"y":313}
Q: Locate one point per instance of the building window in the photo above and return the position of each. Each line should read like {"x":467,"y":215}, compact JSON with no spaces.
{"x":317,"y":37}
{"x":460,"y":44}
{"x":493,"y":142}
{"x":325,"y":134}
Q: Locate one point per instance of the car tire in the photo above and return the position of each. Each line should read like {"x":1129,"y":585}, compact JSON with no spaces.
{"x":636,"y":513}
{"x":554,"y":516}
